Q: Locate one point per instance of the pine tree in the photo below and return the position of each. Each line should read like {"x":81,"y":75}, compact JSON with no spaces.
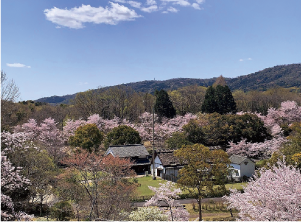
{"x":209,"y":104}
{"x":224,"y":100}
{"x":218,"y":98}
{"x":163,"y":106}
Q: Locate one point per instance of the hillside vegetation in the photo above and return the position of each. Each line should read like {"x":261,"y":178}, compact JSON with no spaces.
{"x":285,"y":76}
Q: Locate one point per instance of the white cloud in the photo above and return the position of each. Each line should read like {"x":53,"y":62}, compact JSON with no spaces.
{"x":17,"y":65}
{"x":196,"y":6}
{"x":248,"y":59}
{"x":150,"y":9}
{"x":135,"y":4}
{"x":75,"y":17}
{"x":200,"y":1}
{"x":120,"y":1}
{"x":171,"y":9}
{"x":177,"y":2}
{"x":151,"y":2}
{"x":83,"y":83}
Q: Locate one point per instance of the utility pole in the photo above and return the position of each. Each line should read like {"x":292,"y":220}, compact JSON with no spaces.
{"x":154,"y":177}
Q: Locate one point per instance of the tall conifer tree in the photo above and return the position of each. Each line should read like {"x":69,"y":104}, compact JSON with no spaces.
{"x":163,"y":105}
{"x":219,"y":98}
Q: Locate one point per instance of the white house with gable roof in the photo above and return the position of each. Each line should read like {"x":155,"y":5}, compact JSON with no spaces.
{"x":241,"y":166}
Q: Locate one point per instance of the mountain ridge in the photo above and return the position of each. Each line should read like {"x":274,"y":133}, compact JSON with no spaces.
{"x":278,"y":76}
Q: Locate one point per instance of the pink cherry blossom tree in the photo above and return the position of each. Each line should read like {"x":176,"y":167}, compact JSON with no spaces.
{"x":288,"y":113}
{"x":46,"y":135}
{"x":163,"y":129}
{"x":167,"y":193}
{"x":10,"y":142}
{"x":11,"y":181}
{"x":262,"y":150}
{"x":275,"y":195}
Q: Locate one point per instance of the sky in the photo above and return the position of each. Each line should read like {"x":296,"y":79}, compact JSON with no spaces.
{"x":60,"y":47}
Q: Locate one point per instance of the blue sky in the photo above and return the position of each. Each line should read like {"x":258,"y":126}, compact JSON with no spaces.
{"x":59,"y":47}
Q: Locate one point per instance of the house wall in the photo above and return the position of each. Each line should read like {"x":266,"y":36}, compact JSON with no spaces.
{"x":172,"y":171}
{"x":248,"y":169}
{"x":110,"y":152}
{"x":236,"y":170}
{"x":157,"y":164}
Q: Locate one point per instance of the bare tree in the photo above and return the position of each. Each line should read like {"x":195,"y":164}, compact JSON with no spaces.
{"x":9,"y":89}
{"x":9,"y":94}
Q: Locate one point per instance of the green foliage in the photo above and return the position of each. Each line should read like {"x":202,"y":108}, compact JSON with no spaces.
{"x":202,"y":166}
{"x":122,"y":135}
{"x":188,"y":99}
{"x":177,"y":140}
{"x":291,"y":149}
{"x":219,"y":99}
{"x":88,"y":137}
{"x":218,"y":129}
{"x":209,"y":105}
{"x":194,"y":132}
{"x":224,"y":100}
{"x":62,"y":211}
{"x":163,"y":105}
{"x":260,"y":101}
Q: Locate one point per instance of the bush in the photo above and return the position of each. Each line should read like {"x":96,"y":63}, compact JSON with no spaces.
{"x":62,"y":211}
{"x":88,"y":137}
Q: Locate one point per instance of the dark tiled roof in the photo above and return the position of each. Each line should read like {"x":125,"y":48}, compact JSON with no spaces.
{"x":167,"y":158}
{"x":132,"y":150}
{"x":237,"y":159}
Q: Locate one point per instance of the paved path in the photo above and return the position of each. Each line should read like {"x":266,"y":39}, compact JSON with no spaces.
{"x":187,"y":201}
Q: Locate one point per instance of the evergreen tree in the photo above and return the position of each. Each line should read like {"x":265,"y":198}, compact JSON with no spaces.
{"x":209,"y":104}
{"x":224,"y":100}
{"x":219,"y":98}
{"x":163,"y":105}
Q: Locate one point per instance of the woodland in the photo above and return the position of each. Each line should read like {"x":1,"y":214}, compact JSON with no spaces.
{"x":52,"y":161}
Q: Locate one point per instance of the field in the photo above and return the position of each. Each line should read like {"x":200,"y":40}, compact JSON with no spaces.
{"x":146,"y":181}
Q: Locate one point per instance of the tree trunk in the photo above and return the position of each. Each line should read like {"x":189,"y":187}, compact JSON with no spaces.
{"x":200,"y":208}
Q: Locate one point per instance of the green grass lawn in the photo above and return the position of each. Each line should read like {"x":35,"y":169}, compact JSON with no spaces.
{"x":146,"y":181}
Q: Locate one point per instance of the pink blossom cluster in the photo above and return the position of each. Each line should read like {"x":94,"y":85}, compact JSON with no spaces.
{"x":167,"y":193}
{"x":275,"y":195}
{"x":104,"y":125}
{"x":47,"y":132}
{"x":288,"y":113}
{"x":256,"y":150}
{"x":162,"y":130}
{"x":15,"y":141}
{"x":10,"y":181}
{"x":144,"y":126}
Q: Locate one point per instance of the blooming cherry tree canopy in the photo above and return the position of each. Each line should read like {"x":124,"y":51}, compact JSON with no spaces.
{"x":10,"y":181}
{"x":167,"y":193}
{"x":275,"y":195}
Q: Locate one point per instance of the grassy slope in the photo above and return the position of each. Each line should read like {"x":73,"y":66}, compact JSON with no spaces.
{"x":143,"y":190}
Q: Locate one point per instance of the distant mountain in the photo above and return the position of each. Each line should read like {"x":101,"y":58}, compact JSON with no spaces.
{"x":282,"y":75}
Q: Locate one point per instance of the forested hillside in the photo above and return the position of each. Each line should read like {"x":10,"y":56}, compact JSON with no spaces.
{"x":283,"y":75}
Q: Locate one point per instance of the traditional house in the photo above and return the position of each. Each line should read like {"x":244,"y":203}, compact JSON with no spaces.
{"x":136,"y":152}
{"x":241,"y":166}
{"x":167,"y":165}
